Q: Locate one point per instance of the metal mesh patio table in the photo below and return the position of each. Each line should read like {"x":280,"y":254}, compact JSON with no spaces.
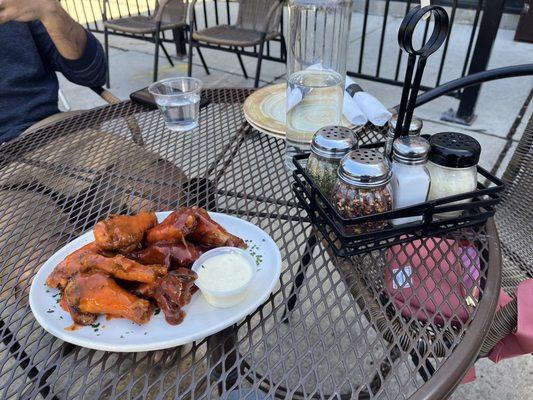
{"x":330,"y":329}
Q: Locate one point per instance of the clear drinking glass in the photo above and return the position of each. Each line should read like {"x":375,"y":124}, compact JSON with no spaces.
{"x":178,"y":100}
{"x":316,"y":69}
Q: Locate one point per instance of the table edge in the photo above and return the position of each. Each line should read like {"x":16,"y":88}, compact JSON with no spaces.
{"x":451,"y":372}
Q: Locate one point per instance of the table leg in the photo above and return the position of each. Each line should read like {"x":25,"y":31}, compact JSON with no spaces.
{"x":300,"y":275}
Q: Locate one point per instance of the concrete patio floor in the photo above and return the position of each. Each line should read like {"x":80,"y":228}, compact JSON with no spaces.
{"x":498,"y":108}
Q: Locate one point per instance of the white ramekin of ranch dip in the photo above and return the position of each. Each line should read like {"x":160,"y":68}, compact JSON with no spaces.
{"x":224,"y":275}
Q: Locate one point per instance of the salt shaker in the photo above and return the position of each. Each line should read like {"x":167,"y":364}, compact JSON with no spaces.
{"x":329,"y":145}
{"x":362,"y":188}
{"x":410,"y":177}
{"x":453,"y":158}
{"x":414,"y":130}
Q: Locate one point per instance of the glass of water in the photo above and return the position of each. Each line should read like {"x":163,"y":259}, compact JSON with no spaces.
{"x":178,"y":100}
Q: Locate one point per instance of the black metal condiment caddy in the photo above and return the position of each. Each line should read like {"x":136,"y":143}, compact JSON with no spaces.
{"x":335,"y":228}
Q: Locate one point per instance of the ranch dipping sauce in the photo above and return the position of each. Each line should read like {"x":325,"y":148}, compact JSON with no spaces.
{"x":224,"y":272}
{"x":224,"y":275}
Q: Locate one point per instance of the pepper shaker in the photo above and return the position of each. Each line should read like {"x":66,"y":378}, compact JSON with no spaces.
{"x":329,"y":145}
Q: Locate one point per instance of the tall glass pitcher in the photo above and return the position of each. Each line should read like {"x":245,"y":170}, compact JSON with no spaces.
{"x":316,"y":69}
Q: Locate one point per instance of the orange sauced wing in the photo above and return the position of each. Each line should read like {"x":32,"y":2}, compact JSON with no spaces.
{"x":88,"y":258}
{"x":95,"y":293}
{"x":70,"y":266}
{"x":123,"y":233}
{"x":174,"y":228}
{"x":123,"y":268}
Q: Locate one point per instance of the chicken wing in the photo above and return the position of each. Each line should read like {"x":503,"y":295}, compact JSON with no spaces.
{"x":123,"y":268}
{"x":71,"y":265}
{"x":210,"y":234}
{"x":174,"y":228}
{"x":93,"y":293}
{"x":123,"y":233}
{"x":87,"y":258}
{"x":171,"y":255}
{"x":171,"y":293}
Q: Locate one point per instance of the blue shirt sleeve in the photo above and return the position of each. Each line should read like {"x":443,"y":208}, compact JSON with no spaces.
{"x":89,"y":70}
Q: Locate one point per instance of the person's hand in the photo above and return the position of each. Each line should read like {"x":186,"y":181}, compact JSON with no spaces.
{"x":26,"y":10}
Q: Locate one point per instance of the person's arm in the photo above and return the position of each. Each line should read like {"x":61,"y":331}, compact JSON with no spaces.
{"x":64,"y":44}
{"x":68,"y":36}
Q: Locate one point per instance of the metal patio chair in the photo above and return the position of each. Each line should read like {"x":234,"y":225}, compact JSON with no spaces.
{"x":168,"y":15}
{"x":514,"y":221}
{"x":258,"y":22}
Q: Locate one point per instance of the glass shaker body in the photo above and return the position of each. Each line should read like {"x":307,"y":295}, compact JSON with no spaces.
{"x":410,"y":178}
{"x":452,"y":167}
{"x":448,"y":181}
{"x":410,"y":186}
{"x":316,"y":69}
{"x":352,"y":200}
{"x":363,"y":188}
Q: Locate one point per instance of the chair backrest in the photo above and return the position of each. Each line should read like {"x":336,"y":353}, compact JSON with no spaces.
{"x":173,"y":11}
{"x":514,"y":218}
{"x":252,"y":14}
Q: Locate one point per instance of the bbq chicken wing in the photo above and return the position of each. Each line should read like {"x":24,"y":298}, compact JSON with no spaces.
{"x":171,"y":255}
{"x":93,"y":293}
{"x":210,"y":234}
{"x":171,"y":293}
{"x":174,"y":228}
{"x":123,"y":233}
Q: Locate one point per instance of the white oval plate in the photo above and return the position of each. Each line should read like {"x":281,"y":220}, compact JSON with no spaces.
{"x":202,"y":320}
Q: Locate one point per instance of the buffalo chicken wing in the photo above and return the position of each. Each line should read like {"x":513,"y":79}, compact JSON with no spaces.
{"x":88,"y":258}
{"x":150,"y":261}
{"x":93,"y":293}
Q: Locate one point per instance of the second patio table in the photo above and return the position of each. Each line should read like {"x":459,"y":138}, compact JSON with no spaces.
{"x":339,"y":335}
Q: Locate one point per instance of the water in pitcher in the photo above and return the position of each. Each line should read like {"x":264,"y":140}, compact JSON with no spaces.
{"x":314,"y":100}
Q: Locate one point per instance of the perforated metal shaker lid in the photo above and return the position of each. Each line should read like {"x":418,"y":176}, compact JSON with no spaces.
{"x":333,"y":141}
{"x":365,"y":168}
{"x":414,"y":128}
{"x":410,"y":150}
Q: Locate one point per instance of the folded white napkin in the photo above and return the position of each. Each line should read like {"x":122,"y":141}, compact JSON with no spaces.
{"x":358,"y":109}
{"x":352,"y":112}
{"x":376,"y":112}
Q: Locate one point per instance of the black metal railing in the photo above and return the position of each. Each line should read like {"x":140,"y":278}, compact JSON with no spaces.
{"x":376,"y":57}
